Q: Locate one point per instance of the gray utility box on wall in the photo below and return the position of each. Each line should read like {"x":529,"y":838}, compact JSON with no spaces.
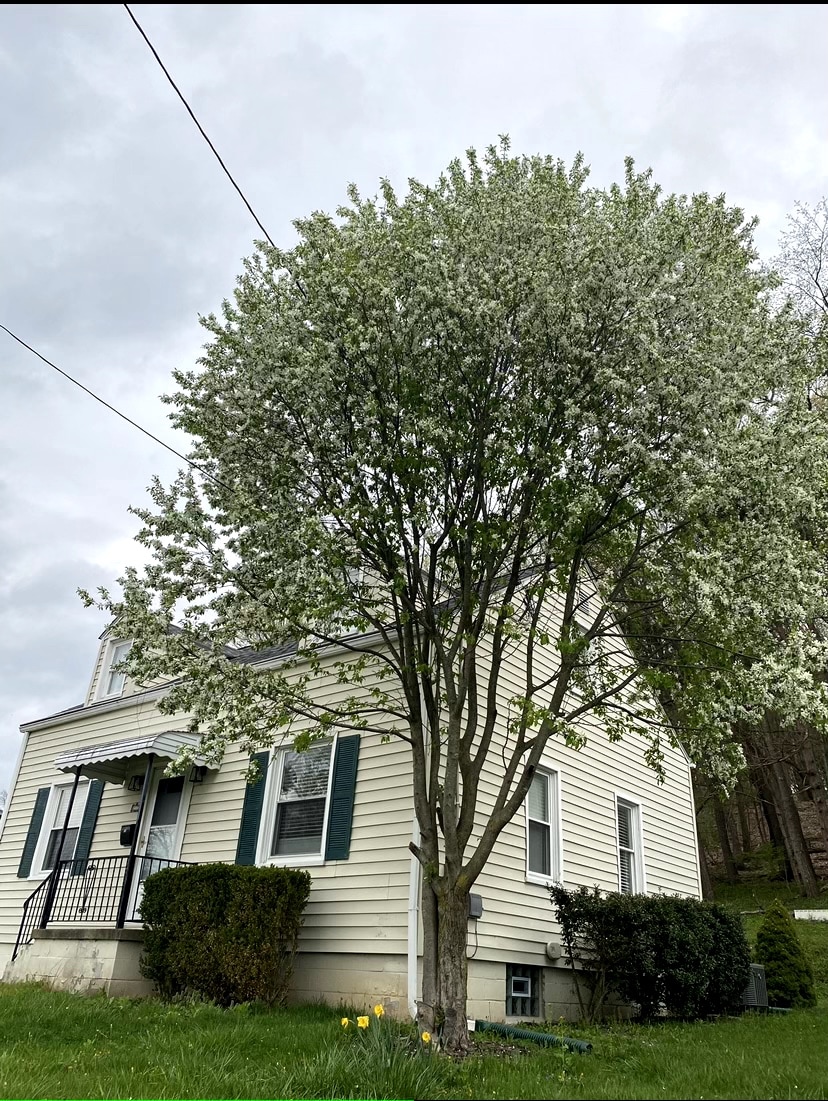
{"x":475,"y":906}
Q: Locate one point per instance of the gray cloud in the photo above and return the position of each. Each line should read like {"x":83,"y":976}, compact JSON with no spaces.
{"x":117,"y":227}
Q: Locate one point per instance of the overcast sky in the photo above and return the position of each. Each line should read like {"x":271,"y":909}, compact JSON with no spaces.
{"x":117,"y":227}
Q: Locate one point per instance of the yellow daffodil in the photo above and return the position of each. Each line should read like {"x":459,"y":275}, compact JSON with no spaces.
{"x":379,"y":1011}
{"x":426,"y":1037}
{"x":344,"y":1022}
{"x":362,"y":1022}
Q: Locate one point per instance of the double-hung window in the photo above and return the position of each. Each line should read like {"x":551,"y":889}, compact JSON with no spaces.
{"x":543,"y":858}
{"x":300,"y":802}
{"x":113,"y":678}
{"x":630,"y":854}
{"x":53,"y":821}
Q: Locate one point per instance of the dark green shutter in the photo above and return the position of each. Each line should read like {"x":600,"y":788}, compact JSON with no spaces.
{"x":252,"y":813}
{"x":34,"y":832}
{"x":87,"y":826}
{"x":343,"y":786}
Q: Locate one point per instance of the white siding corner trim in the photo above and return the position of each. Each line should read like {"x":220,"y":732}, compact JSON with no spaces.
{"x":5,"y":817}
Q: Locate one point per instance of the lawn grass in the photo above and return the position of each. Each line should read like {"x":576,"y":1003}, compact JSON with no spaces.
{"x":62,"y":1045}
{"x":65,"y":1046}
{"x":759,"y":893}
{"x":755,"y":1056}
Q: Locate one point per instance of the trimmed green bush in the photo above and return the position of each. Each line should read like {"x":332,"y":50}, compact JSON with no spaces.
{"x":661,"y":952}
{"x":224,"y":932}
{"x":787,"y":970}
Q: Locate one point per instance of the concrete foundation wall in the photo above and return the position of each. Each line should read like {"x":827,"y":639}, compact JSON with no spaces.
{"x":363,"y":980}
{"x":88,"y":961}
{"x":356,"y":979}
{"x":84,"y":961}
{"x":487,"y":993}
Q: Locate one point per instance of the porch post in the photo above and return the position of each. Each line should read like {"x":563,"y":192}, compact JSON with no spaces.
{"x":130,"y":865}
{"x":51,"y":891}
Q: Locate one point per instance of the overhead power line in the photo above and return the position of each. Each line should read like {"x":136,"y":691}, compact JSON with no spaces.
{"x":112,"y":409}
{"x":253,"y":214}
{"x":201,"y":129}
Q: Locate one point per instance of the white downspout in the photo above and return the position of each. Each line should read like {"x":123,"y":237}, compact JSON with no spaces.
{"x":413,"y":920}
{"x":414,"y":881}
{"x":696,"y":852}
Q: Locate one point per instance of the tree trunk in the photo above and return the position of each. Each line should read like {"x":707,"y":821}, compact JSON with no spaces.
{"x":775,"y":831}
{"x":761,"y":822}
{"x":812,"y":757}
{"x":789,"y":820}
{"x":724,"y":841}
{"x":452,"y":966}
{"x":760,"y":774}
{"x":744,"y":822}
{"x":732,"y":831}
{"x":427,"y":1005}
{"x":704,"y":871}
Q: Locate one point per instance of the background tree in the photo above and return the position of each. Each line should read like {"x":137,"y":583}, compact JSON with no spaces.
{"x":788,"y":764}
{"x":506,"y":414}
{"x":802,"y":261}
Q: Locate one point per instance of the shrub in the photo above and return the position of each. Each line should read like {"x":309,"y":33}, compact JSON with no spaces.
{"x":787,"y":970}
{"x":687,"y":957}
{"x":223,"y":932}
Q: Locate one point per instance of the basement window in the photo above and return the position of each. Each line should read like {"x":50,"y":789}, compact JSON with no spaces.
{"x":522,"y":990}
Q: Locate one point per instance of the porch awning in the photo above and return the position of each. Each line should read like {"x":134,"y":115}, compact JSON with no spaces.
{"x":115,"y":761}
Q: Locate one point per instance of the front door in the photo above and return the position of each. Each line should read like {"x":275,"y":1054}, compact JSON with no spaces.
{"x":161,"y":833}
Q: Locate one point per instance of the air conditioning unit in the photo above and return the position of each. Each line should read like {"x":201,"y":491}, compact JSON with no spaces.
{"x":755,"y":994}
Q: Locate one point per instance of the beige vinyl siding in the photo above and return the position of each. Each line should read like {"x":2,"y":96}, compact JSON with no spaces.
{"x":518,"y":918}
{"x":360,"y":905}
{"x":96,"y":674}
{"x":356,"y":905}
{"x":38,"y":770}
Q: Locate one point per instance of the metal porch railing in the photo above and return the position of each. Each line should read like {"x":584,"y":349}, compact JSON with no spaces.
{"x":95,"y":891}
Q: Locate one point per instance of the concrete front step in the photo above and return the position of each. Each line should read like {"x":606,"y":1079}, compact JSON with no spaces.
{"x":84,"y":960}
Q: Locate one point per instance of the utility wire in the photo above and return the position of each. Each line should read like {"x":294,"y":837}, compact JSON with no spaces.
{"x":112,"y":409}
{"x":256,"y":219}
{"x":201,"y":129}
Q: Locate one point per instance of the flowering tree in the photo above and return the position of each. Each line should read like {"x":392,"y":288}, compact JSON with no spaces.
{"x":509,"y":413}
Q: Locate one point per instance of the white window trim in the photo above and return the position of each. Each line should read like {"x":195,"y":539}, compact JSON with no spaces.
{"x":556,"y":832}
{"x":268,"y":820}
{"x":37,"y":870}
{"x":112,"y":645}
{"x":640,"y":863}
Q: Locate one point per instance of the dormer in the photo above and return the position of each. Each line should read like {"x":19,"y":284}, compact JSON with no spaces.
{"x":109,"y":682}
